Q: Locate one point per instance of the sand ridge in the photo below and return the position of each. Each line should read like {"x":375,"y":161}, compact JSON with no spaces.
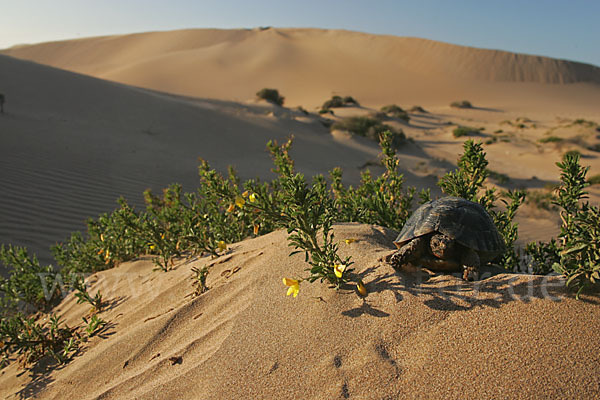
{"x":308,"y":65}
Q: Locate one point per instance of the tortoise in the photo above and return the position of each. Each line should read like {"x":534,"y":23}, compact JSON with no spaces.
{"x":448,"y":234}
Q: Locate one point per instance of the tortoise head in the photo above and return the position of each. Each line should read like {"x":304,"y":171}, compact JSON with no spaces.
{"x":442,"y":246}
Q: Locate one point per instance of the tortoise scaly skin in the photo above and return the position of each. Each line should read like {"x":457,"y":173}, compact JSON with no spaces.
{"x":448,"y":234}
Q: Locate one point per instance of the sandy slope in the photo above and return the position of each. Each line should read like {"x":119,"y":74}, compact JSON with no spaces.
{"x":308,"y":65}
{"x":414,"y":336}
{"x":70,"y":145}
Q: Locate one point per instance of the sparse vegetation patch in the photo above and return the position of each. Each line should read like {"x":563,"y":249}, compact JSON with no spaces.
{"x":368,"y":127}
{"x":465,"y":131}
{"x":338,"y":101}
{"x":550,"y":139}
{"x":417,"y":109}
{"x":461,"y":104}
{"x":395,"y":111}
{"x":270,"y":95}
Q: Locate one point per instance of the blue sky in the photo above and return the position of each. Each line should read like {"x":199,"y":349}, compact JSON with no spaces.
{"x":561,"y":29}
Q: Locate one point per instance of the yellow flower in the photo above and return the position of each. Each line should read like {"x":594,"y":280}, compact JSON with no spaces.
{"x":339,"y":269}
{"x":348,"y":241}
{"x":294,"y":286}
{"x":101,"y":237}
{"x":231,"y":208}
{"x":252,"y":197}
{"x":245,"y":194}
{"x":221,"y":245}
{"x":256,"y":227}
{"x":152,"y":246}
{"x":360,"y":286}
{"x":239,"y":201}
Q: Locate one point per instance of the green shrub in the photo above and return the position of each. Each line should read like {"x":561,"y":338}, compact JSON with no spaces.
{"x":550,"y":139}
{"x":461,"y":104}
{"x":580,"y":231}
{"x":270,"y":95}
{"x":368,"y":127}
{"x":350,"y":100}
{"x":417,"y":109}
{"x":338,"y":101}
{"x":572,"y":153}
{"x":542,"y":256}
{"x":382,"y":200}
{"x":31,"y":341}
{"x":396,"y":112}
{"x":461,"y":131}
{"x":29,"y":286}
{"x":584,"y":122}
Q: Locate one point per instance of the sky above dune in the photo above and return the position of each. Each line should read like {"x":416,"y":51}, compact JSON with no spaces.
{"x":560,"y":29}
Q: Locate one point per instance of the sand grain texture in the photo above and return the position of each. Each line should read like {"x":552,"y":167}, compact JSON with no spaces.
{"x":507,"y":336}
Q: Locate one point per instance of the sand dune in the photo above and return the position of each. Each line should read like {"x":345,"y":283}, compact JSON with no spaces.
{"x":308,"y":65}
{"x":70,"y":145}
{"x":508,"y":336}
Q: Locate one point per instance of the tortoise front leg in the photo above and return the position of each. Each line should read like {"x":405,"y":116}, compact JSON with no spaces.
{"x":471,"y":263}
{"x":411,"y":251}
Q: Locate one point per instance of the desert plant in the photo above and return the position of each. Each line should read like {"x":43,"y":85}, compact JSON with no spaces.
{"x":350,"y":100}
{"x":541,"y":256}
{"x":31,"y":341}
{"x":308,"y":213}
{"x":396,"y":112}
{"x":338,"y":101}
{"x":550,"y":139}
{"x":96,"y":302}
{"x":580,"y":231}
{"x":29,"y":286}
{"x":369,"y":127}
{"x":270,"y":95}
{"x":382,"y":200}
{"x":199,"y":280}
{"x":572,"y":153}
{"x":461,"y":131}
{"x":110,"y":239}
{"x":93,"y":326}
{"x":417,"y":109}
{"x":461,"y":104}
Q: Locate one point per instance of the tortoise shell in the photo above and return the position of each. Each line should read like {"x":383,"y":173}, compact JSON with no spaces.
{"x":464,"y":221}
